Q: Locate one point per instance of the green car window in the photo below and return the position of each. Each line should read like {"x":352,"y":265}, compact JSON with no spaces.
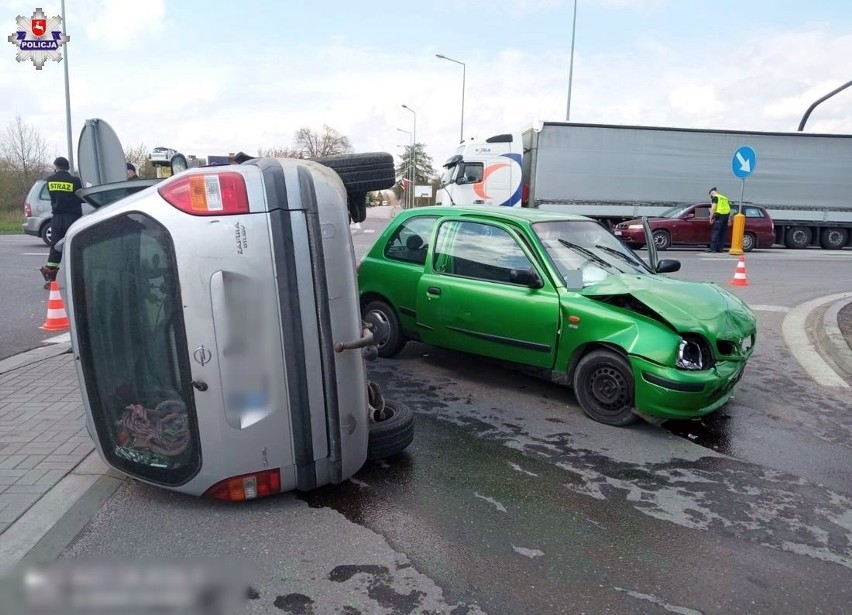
{"x":479,"y":251}
{"x":410,"y":240}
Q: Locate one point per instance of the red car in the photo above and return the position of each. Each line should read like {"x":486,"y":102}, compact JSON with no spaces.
{"x":690,"y":225}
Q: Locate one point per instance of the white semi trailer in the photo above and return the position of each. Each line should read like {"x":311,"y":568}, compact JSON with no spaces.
{"x":615,"y":173}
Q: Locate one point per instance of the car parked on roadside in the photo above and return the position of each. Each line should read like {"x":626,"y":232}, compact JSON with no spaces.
{"x":38,"y":213}
{"x":690,"y":225}
{"x":560,"y":293}
{"x":162,"y":155}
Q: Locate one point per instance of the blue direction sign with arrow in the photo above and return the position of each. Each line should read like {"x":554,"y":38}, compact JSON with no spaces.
{"x":743,"y":162}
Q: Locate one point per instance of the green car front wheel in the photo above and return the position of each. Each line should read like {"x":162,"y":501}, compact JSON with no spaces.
{"x":603,"y":384}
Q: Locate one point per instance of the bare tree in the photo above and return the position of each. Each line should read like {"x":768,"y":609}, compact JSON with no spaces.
{"x":328,"y":142}
{"x":138,"y":156}
{"x":24,"y":152}
{"x":279,"y":152}
{"x":24,"y":158}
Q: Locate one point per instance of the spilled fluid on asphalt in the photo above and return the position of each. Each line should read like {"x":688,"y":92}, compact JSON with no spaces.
{"x":717,"y":431}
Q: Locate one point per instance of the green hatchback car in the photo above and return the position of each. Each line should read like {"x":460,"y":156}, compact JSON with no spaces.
{"x":558,"y":293}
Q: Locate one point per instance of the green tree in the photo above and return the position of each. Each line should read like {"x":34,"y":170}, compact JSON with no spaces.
{"x":424,"y":172}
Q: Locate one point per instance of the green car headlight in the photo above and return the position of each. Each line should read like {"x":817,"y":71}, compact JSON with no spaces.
{"x":693,"y":354}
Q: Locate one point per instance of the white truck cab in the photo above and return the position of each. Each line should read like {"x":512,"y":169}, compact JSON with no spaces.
{"x":484,"y":173}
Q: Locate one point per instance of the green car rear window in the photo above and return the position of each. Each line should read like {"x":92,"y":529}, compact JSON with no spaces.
{"x":410,"y":240}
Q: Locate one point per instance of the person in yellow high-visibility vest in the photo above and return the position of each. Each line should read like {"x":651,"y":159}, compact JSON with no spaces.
{"x":720,"y":210}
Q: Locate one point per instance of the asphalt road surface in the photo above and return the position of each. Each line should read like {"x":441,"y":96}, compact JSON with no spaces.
{"x":510,"y":500}
{"x":23,"y":300}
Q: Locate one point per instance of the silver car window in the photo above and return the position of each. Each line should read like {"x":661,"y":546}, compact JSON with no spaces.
{"x":132,"y":341}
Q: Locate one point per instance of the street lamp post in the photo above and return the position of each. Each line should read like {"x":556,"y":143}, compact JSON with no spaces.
{"x":464,"y":70}
{"x":819,"y":101}
{"x":67,"y":96}
{"x":413,"y":152}
{"x":410,"y":171}
{"x":571,"y":63}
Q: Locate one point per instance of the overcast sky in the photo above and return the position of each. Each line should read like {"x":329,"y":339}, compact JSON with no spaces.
{"x":209,"y":78}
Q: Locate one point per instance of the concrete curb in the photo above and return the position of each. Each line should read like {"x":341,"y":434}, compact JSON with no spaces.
{"x":802,"y":329}
{"x":831,"y":339}
{"x":33,"y":356}
{"x":42,"y":532}
{"x":50,"y":525}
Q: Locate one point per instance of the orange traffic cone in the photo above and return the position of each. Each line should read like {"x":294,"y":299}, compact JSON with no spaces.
{"x":740,"y":274}
{"x":57,"y":319}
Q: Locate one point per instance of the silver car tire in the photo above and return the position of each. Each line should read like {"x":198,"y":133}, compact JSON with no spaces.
{"x":47,"y":234}
{"x":391,"y":435}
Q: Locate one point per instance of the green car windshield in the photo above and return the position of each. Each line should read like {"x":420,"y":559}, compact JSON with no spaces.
{"x":585,"y":253}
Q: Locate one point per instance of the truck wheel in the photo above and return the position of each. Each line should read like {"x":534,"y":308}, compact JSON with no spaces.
{"x":47,"y":233}
{"x":603,"y":384}
{"x":662,"y":239}
{"x":391,"y":435}
{"x":798,"y":237}
{"x":387,"y":331}
{"x":749,"y":242}
{"x":833,"y":238}
{"x":362,"y":173}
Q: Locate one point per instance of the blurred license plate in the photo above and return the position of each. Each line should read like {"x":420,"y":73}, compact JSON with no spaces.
{"x":617,"y":233}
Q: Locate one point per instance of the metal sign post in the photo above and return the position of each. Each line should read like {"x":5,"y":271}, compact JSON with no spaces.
{"x":742,"y":164}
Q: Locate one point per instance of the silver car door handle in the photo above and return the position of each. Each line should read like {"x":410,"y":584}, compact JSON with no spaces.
{"x":365,"y":340}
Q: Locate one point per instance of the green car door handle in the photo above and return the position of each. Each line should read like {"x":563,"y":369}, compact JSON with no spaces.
{"x":433,"y":290}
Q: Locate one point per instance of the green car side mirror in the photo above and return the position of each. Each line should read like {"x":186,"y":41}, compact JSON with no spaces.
{"x":526,"y":277}
{"x":668,"y":265}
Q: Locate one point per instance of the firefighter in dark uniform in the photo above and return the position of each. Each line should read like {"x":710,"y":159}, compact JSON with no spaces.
{"x":67,"y":209}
